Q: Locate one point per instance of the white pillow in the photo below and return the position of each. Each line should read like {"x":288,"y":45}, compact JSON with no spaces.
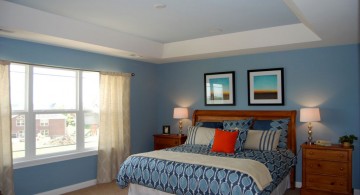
{"x":262,"y":140}
{"x":199,"y":135}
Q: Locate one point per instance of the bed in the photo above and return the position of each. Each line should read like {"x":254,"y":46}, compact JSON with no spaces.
{"x":194,"y":168}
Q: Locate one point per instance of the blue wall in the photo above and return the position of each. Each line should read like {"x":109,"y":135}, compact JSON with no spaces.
{"x":143,"y":92}
{"x":325,"y":77}
{"x":47,"y":177}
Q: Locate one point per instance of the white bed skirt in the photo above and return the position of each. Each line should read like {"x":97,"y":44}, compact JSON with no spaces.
{"x":135,"y":189}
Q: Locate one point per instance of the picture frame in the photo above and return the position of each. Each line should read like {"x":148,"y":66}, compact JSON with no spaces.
{"x":166,"y":129}
{"x":219,"y":88}
{"x":266,"y":87}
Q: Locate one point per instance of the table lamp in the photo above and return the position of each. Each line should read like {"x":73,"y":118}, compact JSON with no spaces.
{"x":309,"y":115}
{"x":180,"y":113}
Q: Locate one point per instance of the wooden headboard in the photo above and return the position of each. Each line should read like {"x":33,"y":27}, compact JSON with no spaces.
{"x":221,"y":115}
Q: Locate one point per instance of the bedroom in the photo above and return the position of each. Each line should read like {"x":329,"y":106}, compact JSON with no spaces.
{"x":327,"y":77}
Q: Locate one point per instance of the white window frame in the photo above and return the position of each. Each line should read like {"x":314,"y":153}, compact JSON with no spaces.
{"x":31,"y":159}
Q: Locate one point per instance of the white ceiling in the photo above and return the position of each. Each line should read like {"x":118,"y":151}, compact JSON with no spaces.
{"x":184,"y":29}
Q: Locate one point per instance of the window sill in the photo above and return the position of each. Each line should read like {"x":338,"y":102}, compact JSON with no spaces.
{"x":53,"y":159}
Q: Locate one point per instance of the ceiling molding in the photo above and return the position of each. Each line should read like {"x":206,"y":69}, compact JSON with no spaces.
{"x":25,"y":23}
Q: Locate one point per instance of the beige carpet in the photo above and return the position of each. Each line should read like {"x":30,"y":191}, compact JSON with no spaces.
{"x":112,"y":188}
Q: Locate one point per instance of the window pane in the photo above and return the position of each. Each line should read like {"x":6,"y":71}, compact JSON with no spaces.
{"x":91,"y":91}
{"x":54,"y":89}
{"x":55,"y":133}
{"x":17,"y":85}
{"x":18,"y":135}
{"x":91,"y":131}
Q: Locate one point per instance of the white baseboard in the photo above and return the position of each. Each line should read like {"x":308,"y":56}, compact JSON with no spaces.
{"x":299,"y":184}
{"x":70,"y":188}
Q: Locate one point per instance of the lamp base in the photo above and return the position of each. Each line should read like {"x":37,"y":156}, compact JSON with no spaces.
{"x":310,"y":143}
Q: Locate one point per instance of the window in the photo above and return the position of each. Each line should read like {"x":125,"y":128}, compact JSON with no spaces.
{"x":20,"y":121}
{"x":44,"y":122}
{"x":54,"y":111}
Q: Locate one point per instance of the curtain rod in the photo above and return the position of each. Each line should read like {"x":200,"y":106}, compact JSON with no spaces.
{"x":53,"y":66}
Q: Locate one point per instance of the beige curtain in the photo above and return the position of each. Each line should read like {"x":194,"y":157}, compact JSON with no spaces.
{"x":6,"y":168}
{"x":114,"y":131}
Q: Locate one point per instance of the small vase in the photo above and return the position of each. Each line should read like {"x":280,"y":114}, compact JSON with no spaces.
{"x":346,"y":144}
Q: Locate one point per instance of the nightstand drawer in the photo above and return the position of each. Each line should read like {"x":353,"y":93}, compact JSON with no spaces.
{"x":333,"y":155}
{"x":326,"y":183}
{"x":326,"y":168}
{"x":169,"y":142}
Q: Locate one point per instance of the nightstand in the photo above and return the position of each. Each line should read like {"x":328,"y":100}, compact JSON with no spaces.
{"x":162,"y":141}
{"x":326,"y":169}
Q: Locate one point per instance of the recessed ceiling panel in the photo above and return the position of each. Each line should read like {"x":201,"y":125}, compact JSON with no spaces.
{"x":178,"y":21}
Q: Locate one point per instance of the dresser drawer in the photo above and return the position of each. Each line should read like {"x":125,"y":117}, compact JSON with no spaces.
{"x":333,"y":155}
{"x":329,"y":168}
{"x":326,"y":183}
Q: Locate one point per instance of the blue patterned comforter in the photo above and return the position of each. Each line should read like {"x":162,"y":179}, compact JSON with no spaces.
{"x":183,"y":178}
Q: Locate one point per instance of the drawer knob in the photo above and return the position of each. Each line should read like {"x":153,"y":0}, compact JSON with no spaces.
{"x":332,"y":183}
{"x":341,"y":168}
{"x":311,"y":152}
{"x":341,"y":155}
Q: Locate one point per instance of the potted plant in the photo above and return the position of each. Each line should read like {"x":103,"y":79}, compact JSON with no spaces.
{"x":347,"y":140}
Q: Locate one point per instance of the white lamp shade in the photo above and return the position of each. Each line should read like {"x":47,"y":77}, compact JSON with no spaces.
{"x":309,"y":114}
{"x":180,"y":113}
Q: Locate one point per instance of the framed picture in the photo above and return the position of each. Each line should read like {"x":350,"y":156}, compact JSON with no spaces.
{"x":266,"y":87}
{"x":166,"y":129}
{"x":219,"y":88}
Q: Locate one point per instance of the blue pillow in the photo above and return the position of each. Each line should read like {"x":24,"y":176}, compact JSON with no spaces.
{"x":281,"y":124}
{"x":210,"y":124}
{"x":261,"y":124}
{"x":238,"y":124}
{"x":273,"y":125}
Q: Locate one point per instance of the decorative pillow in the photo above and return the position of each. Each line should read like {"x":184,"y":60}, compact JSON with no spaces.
{"x":239,"y":145}
{"x":273,"y":125}
{"x":281,"y":124}
{"x":224,"y":141}
{"x":210,"y":124}
{"x":262,"y":140}
{"x":239,"y":124}
{"x":199,"y":135}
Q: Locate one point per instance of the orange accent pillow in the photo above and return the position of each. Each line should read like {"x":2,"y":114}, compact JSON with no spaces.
{"x":224,"y":141}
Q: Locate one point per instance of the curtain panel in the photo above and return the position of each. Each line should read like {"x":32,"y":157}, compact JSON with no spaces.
{"x":114,"y":131}
{"x":6,"y":162}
